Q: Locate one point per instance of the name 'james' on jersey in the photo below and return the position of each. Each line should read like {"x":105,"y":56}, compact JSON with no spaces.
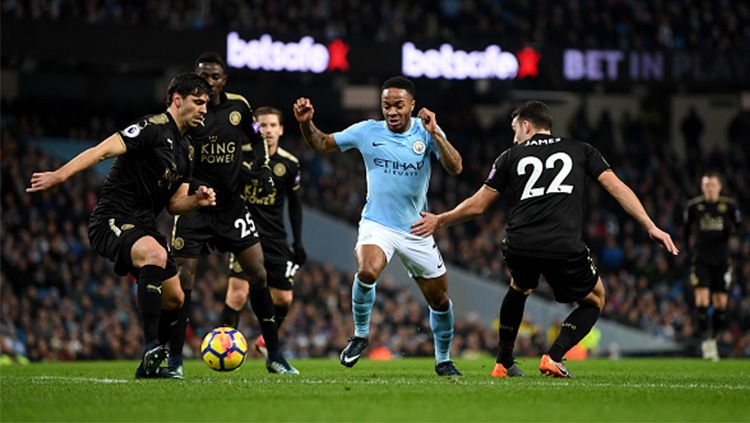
{"x":141,"y":182}
{"x":218,"y":148}
{"x":398,"y":170}
{"x":545,"y":177}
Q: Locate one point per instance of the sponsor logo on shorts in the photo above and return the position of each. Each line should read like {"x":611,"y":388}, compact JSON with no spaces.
{"x":235,"y":118}
{"x":127,"y":226}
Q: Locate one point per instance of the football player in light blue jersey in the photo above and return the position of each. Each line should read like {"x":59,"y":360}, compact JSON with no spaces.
{"x":397,"y":153}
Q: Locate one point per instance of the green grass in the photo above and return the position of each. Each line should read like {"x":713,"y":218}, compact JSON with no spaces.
{"x":401,"y":390}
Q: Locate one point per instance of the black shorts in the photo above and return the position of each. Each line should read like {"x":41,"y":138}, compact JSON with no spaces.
{"x":717,"y":278}
{"x":114,"y":238}
{"x":279,"y":274}
{"x":199,"y":233}
{"x":571,"y":278}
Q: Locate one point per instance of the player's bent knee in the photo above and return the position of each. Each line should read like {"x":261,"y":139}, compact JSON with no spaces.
{"x":186,"y":273}
{"x":368,"y":274}
{"x":173,"y":297}
{"x":282,"y":297}
{"x":258,"y":280}
{"x":152,"y":256}
{"x":440,"y":303}
{"x":238,"y":288}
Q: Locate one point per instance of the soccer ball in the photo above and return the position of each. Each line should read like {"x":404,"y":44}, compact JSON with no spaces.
{"x":224,"y":349}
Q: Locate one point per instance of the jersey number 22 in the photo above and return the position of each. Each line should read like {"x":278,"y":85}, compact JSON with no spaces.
{"x":556,"y":186}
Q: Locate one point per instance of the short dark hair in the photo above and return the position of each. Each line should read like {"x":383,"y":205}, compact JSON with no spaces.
{"x":267,"y":110}
{"x":186,"y":84}
{"x":399,"y":82}
{"x":713,"y":174}
{"x":536,"y":112}
{"x":211,"y":57}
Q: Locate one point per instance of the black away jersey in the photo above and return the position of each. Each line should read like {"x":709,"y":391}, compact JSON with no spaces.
{"x":545,"y":178}
{"x":141,"y":182}
{"x":218,"y":147}
{"x":267,"y":209}
{"x":712,"y":224}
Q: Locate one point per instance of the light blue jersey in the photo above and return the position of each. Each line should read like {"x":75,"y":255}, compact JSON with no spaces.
{"x":398,"y":170}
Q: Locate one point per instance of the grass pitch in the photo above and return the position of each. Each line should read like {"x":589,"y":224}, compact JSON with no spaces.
{"x":401,"y":390}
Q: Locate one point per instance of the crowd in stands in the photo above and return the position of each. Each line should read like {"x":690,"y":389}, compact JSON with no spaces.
{"x":688,"y":25}
{"x":61,"y":301}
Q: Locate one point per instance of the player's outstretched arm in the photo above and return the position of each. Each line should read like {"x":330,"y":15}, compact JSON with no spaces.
{"x":449,"y":156}
{"x":181,"y":202}
{"x":314,"y":137}
{"x":632,"y":205}
{"x":467,"y":210}
{"x":110,"y":147}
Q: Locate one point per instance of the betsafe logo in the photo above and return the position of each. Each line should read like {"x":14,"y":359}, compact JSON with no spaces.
{"x":449,"y":63}
{"x":303,"y":56}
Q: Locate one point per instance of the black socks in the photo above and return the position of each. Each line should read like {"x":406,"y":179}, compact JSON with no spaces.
{"x":230,"y":317}
{"x":511,"y":314}
{"x":177,"y":339}
{"x":260,"y":301}
{"x":574,"y":328}
{"x":149,"y":300}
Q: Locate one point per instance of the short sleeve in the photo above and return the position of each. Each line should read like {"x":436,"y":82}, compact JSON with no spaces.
{"x":433,"y":145}
{"x":139,"y":135}
{"x":595,"y":163}
{"x":352,"y":136}
{"x":498,"y":176}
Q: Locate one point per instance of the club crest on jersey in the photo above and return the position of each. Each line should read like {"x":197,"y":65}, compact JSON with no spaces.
{"x":279,"y":170}
{"x":191,"y":153}
{"x":235,"y":117}
{"x":418,"y":147}
{"x":722,"y":208}
{"x":178,"y":243}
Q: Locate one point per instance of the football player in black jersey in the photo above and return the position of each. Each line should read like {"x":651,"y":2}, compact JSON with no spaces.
{"x":713,"y":219}
{"x":267,"y":209}
{"x":545,"y":176}
{"x":229,"y":227}
{"x":152,"y":171}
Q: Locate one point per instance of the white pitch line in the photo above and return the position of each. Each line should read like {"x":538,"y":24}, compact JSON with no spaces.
{"x":77,"y":379}
{"x":403,"y":381}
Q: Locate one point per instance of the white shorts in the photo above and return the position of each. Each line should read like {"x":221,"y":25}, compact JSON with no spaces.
{"x":420,"y":256}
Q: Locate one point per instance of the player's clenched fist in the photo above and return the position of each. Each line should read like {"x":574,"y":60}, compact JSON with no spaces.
{"x":206,"y":196}
{"x":303,"y":109}
{"x":428,"y":119}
